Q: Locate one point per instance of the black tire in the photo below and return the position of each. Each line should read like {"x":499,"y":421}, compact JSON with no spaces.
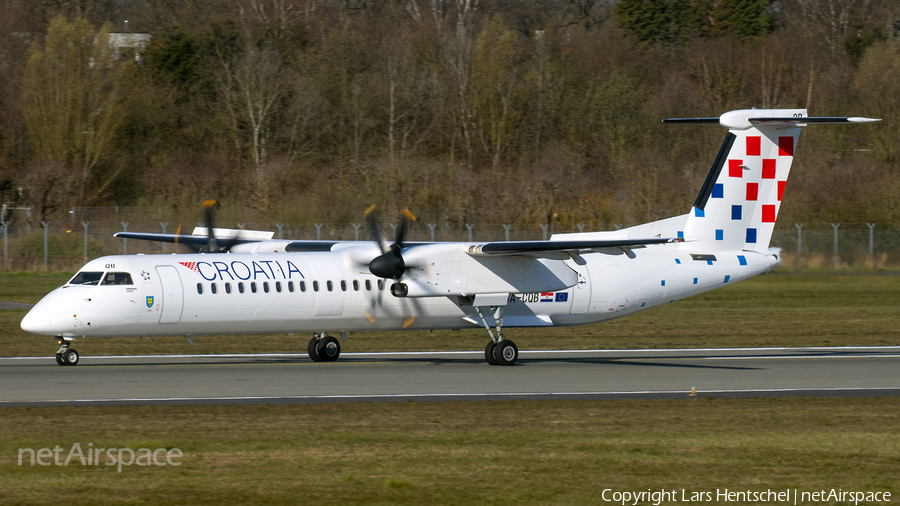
{"x":71,"y":357}
{"x":60,"y":360}
{"x":506,"y":353}
{"x":489,"y":353}
{"x":328,"y":349}
{"x":311,"y":349}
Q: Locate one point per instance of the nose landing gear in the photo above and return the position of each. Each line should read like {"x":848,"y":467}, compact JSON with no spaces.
{"x":66,"y":355}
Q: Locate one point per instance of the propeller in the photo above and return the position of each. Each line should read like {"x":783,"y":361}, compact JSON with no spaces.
{"x":389,"y":264}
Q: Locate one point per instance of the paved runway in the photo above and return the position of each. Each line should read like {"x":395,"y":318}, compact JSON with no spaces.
{"x":292,"y":378}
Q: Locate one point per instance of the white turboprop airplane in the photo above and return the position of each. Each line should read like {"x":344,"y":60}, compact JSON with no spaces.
{"x":255,"y":284}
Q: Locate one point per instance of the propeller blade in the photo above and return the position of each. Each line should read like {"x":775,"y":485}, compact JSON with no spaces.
{"x":375,"y":229}
{"x":405,"y":217}
{"x":209,"y":206}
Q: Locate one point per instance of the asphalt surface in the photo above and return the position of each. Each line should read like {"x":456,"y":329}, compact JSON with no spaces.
{"x":429,"y":376}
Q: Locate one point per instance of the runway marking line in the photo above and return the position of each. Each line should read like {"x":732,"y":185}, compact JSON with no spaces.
{"x":448,"y":395}
{"x":477,"y":352}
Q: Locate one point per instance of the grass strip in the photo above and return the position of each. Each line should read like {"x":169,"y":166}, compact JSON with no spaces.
{"x":517,"y":452}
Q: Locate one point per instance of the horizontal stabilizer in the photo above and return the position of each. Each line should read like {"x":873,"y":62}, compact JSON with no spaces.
{"x":524,"y":247}
{"x":775,"y":121}
{"x":803,"y":121}
{"x":693,"y":121}
{"x":748,"y":118}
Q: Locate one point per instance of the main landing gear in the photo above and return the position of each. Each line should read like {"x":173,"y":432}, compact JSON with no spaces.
{"x":499,"y":350}
{"x":324,"y":348}
{"x":66,"y":355}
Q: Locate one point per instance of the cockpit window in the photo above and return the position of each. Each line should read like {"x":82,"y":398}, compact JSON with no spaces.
{"x":117,"y":278}
{"x":86,"y":278}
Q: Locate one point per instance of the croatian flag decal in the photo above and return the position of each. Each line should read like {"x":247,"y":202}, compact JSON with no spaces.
{"x":547,"y":297}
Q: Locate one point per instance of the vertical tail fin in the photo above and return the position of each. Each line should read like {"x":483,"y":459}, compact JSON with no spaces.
{"x":740,"y":199}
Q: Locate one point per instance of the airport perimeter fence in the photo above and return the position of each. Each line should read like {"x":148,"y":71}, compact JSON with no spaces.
{"x":65,"y":242}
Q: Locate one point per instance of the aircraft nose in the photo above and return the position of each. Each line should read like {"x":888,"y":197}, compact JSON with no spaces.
{"x":36,"y":321}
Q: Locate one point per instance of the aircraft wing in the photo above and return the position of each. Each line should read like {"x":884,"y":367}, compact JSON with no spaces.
{"x":527,"y":247}
{"x":200,"y":236}
{"x":193,"y":240}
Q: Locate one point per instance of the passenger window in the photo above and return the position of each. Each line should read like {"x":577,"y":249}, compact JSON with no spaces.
{"x":343,"y":286}
{"x":290,"y":286}
{"x":241,"y":287}
{"x":315,"y":286}
{"x":200,"y":288}
{"x":303,"y":286}
{"x":213,"y":288}
{"x":278,"y":286}
{"x":381,"y":284}
{"x":86,"y":278}
{"x":329,"y":285}
{"x":266,"y":286}
{"x":227,"y":287}
{"x":355,"y":285}
{"x":368,"y":285}
{"x":253,"y":286}
{"x":117,"y":278}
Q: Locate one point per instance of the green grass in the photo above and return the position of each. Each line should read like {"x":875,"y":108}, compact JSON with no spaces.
{"x":780,"y":309}
{"x":552,"y":452}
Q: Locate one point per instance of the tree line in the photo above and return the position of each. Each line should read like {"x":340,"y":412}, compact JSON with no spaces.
{"x":521,"y":112}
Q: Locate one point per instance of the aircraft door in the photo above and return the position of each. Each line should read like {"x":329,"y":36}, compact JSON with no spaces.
{"x":581,"y":292}
{"x":172,"y":294}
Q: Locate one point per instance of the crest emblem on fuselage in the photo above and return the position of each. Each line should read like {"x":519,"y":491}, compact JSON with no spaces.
{"x":149,"y":301}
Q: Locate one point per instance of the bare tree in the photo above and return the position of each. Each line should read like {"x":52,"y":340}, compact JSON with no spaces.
{"x":459,"y":61}
{"x":251,"y":85}
{"x":829,"y":19}
{"x":494,"y":78}
{"x":438,"y":11}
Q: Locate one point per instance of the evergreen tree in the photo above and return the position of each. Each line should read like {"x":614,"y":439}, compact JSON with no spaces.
{"x":669,"y":22}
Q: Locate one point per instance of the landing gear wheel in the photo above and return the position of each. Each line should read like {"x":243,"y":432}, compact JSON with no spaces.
{"x":311,"y":349}
{"x":60,"y":360}
{"x":328,"y":349}
{"x":506,"y":352}
{"x":489,"y":353}
{"x":70,"y":357}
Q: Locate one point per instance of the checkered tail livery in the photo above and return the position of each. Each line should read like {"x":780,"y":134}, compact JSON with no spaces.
{"x":739,"y":202}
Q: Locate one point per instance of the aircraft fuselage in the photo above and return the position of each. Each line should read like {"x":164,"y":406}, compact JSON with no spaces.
{"x":248,"y":293}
